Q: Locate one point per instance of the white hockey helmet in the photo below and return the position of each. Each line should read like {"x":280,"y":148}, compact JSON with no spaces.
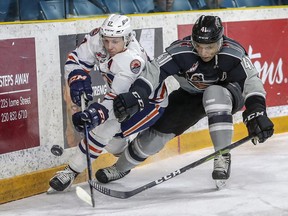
{"x":117,"y":26}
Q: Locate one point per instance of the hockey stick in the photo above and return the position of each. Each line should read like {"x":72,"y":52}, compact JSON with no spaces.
{"x":89,"y":166}
{"x":83,"y":195}
{"x":127,"y":194}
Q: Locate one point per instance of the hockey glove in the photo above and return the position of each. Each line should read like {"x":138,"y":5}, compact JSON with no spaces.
{"x":96,"y":114}
{"x":257,"y":123}
{"x":80,"y":82}
{"x":125,"y":105}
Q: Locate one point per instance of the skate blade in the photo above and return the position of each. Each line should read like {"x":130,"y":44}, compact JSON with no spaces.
{"x":52,"y":191}
{"x":220,"y":184}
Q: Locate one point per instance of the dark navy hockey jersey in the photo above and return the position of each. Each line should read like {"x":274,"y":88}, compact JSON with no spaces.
{"x":182,"y":61}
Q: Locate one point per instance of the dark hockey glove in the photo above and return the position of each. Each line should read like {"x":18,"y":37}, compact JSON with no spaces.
{"x":258,"y":124}
{"x":80,"y":82}
{"x":96,"y":114}
{"x":125,"y":105}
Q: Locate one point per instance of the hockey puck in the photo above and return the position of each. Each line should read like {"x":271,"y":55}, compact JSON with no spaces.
{"x":57,"y":150}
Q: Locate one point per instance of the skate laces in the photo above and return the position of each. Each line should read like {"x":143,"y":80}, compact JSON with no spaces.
{"x":66,"y":175}
{"x":113,"y":174}
{"x":221,"y":163}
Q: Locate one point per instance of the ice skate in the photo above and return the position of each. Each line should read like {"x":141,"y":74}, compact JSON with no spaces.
{"x":221,"y":170}
{"x":62,"y":181}
{"x":109,"y":174}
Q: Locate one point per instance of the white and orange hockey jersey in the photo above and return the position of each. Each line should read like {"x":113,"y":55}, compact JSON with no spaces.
{"x":119,"y":71}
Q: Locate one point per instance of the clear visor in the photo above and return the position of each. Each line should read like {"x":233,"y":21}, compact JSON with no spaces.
{"x":218,"y":44}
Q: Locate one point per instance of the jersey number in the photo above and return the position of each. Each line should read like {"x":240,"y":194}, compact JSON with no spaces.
{"x":247,"y":63}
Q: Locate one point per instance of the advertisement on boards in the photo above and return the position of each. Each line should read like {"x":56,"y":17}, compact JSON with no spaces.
{"x":19,"y":123}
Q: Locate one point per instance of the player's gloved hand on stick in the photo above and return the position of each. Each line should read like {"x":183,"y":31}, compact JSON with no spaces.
{"x":125,"y":105}
{"x":80,"y":83}
{"x":96,"y":114}
{"x":258,"y":124}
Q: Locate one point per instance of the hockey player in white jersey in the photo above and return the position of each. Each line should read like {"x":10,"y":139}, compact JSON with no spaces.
{"x":216,"y":79}
{"x":119,"y":57}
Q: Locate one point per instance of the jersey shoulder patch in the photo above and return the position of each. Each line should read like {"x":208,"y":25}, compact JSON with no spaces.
{"x":232,"y":48}
{"x":135,"y":66}
{"x":179,"y":46}
{"x":128,"y":62}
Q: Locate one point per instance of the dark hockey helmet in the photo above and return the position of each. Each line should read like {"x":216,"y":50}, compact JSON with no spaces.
{"x":207,"y":29}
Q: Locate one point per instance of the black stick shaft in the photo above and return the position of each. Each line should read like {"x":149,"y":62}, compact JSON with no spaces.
{"x":127,"y":194}
{"x":89,"y":166}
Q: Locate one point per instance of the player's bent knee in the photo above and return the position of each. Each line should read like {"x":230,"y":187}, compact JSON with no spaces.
{"x":217,"y":99}
{"x":150,"y":142}
{"x":116,"y":146}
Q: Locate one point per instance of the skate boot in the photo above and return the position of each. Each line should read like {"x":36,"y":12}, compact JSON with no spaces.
{"x":221,"y":170}
{"x":109,"y":174}
{"x":62,"y":180}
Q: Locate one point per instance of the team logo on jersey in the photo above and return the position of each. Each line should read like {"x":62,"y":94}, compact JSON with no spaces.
{"x":135,"y":66}
{"x":197,"y":80}
{"x":193,"y":68}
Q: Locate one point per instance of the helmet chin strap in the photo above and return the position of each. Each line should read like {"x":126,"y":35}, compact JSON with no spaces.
{"x":220,"y":43}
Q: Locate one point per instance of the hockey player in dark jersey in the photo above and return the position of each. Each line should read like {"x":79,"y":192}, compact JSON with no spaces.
{"x":216,"y":80}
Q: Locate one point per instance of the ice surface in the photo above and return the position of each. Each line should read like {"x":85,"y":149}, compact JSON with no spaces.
{"x":258,"y":186}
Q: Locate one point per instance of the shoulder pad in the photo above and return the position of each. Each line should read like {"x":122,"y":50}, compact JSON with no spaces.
{"x":189,"y":37}
{"x":179,"y":46}
{"x":129,"y":61}
{"x":232,"y":48}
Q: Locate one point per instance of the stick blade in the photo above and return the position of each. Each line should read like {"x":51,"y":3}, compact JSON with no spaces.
{"x":83,"y":195}
{"x":110,"y":192}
